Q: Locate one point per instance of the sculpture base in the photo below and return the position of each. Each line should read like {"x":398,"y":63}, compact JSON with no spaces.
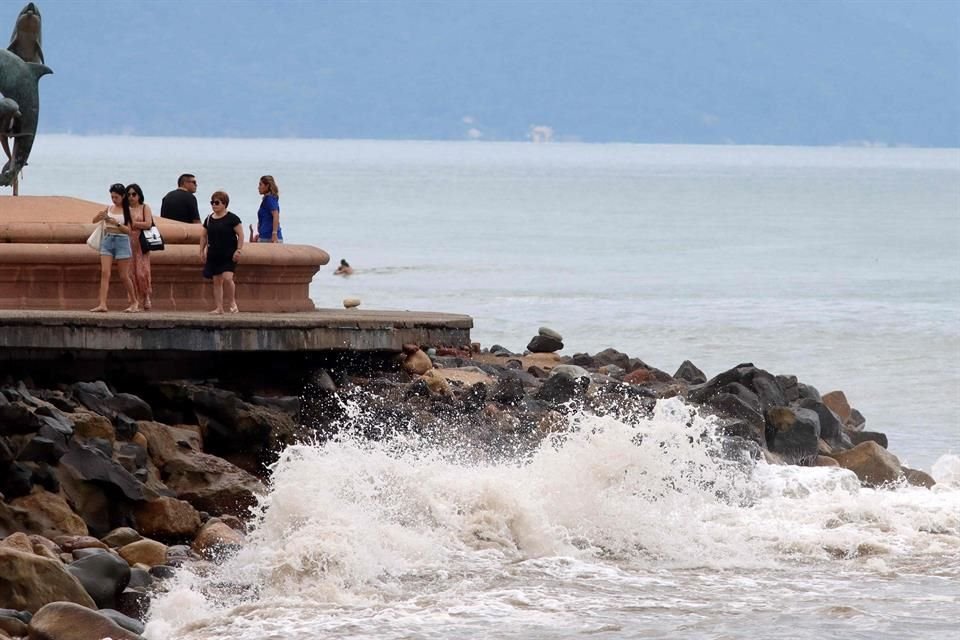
{"x":46,"y":264}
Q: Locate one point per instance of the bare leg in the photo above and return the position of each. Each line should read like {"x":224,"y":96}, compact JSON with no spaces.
{"x":218,"y":294}
{"x":230,"y":292}
{"x":128,"y":283}
{"x":106,"y":263}
{"x":253,"y":236}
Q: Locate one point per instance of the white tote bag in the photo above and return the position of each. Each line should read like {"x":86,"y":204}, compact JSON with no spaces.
{"x":96,"y":237}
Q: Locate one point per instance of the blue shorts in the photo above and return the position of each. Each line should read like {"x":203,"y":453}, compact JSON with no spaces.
{"x":116,"y":245}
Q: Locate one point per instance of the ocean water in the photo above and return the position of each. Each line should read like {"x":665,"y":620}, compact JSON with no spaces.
{"x":838,"y":265}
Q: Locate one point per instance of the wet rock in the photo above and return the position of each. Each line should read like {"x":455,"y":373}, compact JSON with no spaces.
{"x":90,"y":464}
{"x":44,"y":547}
{"x":415,"y":362}
{"x":508,"y":391}
{"x":85,"y":553}
{"x":19,"y":541}
{"x":66,"y":621}
{"x":544,"y":344}
{"x":125,"y":621}
{"x":16,"y":480}
{"x":7,"y":454}
{"x":140,"y":578}
{"x":290,"y":405}
{"x":689,"y":372}
{"x":162,"y":572}
{"x":733,"y":406}
{"x":134,"y":603}
{"x":48,"y":514}
{"x":131,"y":406}
{"x":612,"y":356}
{"x":857,"y":437}
{"x":40,"y":449}
{"x":125,"y":426}
{"x":70,"y":543}
{"x":583,"y":360}
{"x":856,"y":421}
{"x":167,"y":518}
{"x":768,"y":390}
{"x":437,"y":383}
{"x":788,"y":384}
{"x":28,"y":582}
{"x":807,"y":391}
{"x":831,"y":429}
{"x":91,"y":425}
{"x":475,"y":397}
{"x":825,"y":461}
{"x":918,"y":478}
{"x":11,"y":626}
{"x":131,"y":456}
{"x":837,"y":402}
{"x":547,"y":332}
{"x":212,"y":484}
{"x":216,"y":541}
{"x":793,"y":433}
{"x":874,"y":465}
{"x":145,"y":551}
{"x":18,"y":418}
{"x":104,"y":576}
{"x":121,"y":536}
{"x":563,"y":387}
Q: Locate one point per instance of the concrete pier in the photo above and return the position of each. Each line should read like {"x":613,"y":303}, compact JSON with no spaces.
{"x":46,"y":344}
{"x":324,"y":330}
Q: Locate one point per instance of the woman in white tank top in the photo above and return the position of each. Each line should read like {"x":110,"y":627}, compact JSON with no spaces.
{"x":115,"y":246}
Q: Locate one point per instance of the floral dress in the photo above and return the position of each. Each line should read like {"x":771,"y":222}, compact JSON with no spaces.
{"x":141,"y":261}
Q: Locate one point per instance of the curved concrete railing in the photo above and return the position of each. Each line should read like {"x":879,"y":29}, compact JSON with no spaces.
{"x":46,"y":264}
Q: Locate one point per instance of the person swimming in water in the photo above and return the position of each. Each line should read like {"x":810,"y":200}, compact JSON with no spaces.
{"x":344,"y":269}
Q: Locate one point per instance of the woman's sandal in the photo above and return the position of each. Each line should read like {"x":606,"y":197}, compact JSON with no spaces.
{"x":234,"y":309}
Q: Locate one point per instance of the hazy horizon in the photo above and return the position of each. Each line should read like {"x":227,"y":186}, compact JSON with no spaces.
{"x":745,"y":72}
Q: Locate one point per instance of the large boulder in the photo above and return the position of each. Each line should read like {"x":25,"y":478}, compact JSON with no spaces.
{"x":92,"y":425}
{"x":28,"y":582}
{"x":212,"y":484}
{"x":65,"y":621}
{"x":167,"y":518}
{"x":793,"y":433}
{"x":146,"y":551}
{"x":837,"y":402}
{"x":544,"y":344}
{"x":207,"y":482}
{"x":18,"y":418}
{"x":856,"y":437}
{"x":91,"y":464}
{"x":48,"y":514}
{"x":103,"y":575}
{"x":831,"y":427}
{"x":416,"y":362}
{"x":690,"y":373}
{"x":874,"y":465}
{"x":217,"y":541}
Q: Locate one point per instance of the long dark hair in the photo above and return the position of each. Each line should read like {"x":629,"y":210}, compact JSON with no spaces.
{"x":126,"y":200}
{"x":120,"y":190}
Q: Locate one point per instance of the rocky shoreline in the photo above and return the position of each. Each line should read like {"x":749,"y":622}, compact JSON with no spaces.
{"x":107,"y":487}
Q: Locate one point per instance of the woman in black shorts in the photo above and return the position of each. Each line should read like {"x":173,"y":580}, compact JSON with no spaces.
{"x":220,"y":248}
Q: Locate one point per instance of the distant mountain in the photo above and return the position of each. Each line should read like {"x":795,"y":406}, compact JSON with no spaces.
{"x":684,"y":71}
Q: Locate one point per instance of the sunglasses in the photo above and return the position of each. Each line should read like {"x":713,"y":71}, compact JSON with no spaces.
{"x":133,"y":194}
{"x":214,"y":202}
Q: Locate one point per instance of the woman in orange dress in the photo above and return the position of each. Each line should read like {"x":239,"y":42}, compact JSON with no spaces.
{"x":141,"y":217}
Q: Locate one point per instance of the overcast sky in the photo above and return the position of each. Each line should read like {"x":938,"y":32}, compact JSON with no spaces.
{"x":751,"y":71}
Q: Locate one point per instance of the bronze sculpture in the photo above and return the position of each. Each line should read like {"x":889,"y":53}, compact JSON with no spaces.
{"x":21,"y":67}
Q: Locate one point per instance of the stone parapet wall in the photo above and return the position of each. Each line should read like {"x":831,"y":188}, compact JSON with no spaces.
{"x":46,"y":264}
